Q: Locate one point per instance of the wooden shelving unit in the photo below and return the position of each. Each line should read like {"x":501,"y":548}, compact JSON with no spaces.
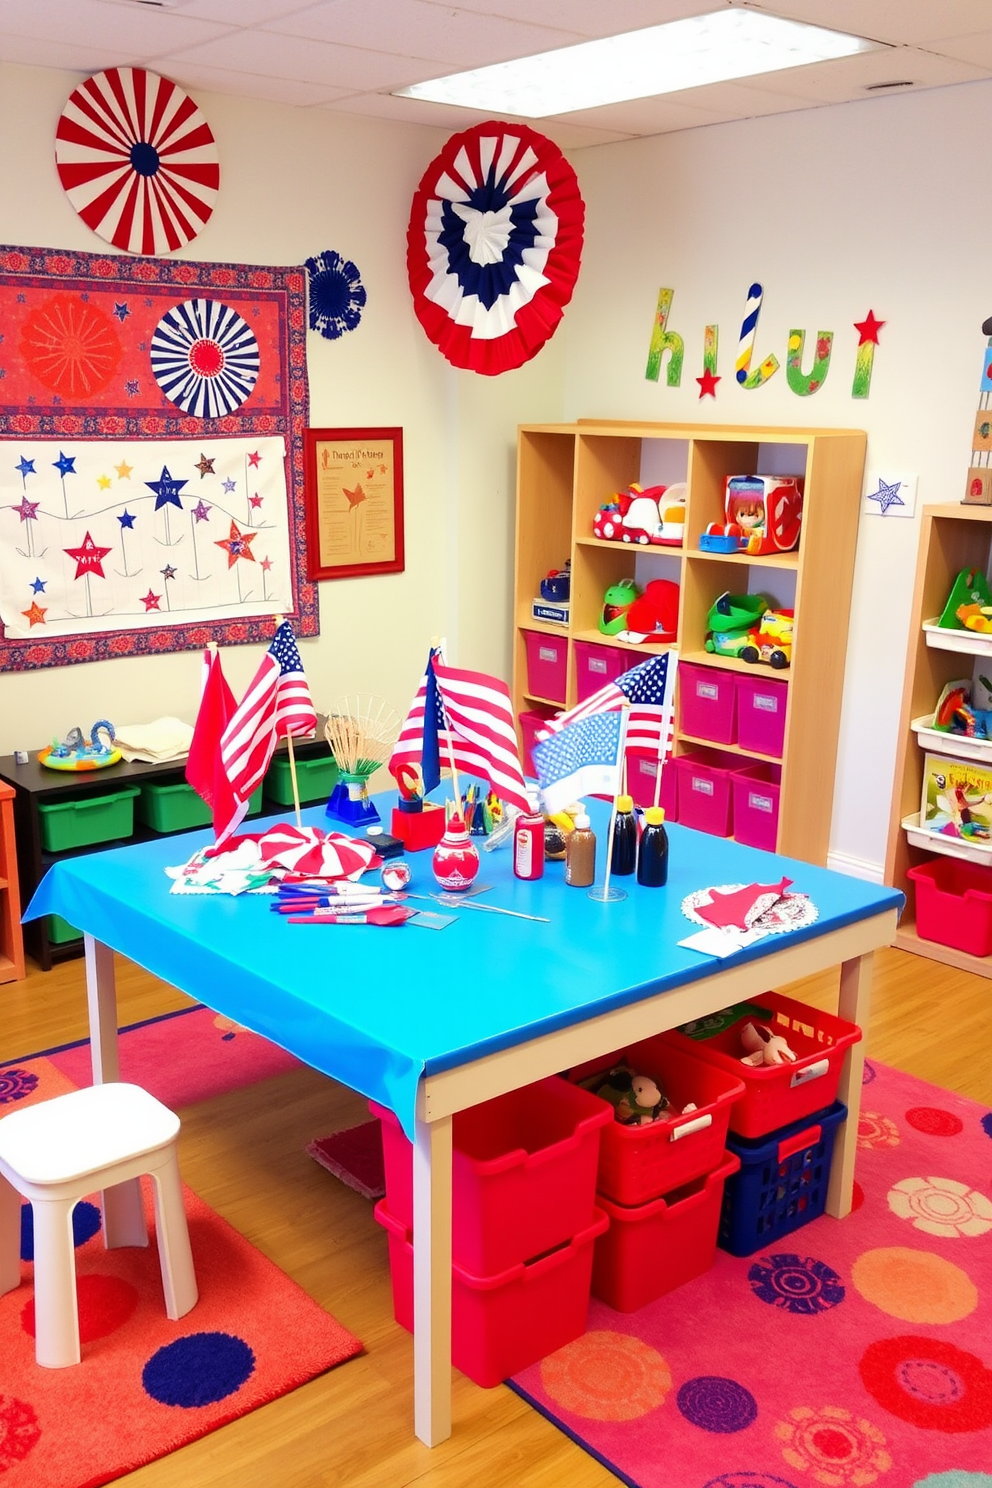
{"x":952,"y":537}
{"x":566,"y":471}
{"x":11,"y":941}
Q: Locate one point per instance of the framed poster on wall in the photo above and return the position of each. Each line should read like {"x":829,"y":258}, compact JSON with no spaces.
{"x":354,"y":502}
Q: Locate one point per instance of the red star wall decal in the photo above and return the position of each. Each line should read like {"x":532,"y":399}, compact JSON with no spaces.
{"x":237,"y":545}
{"x":35,"y":615}
{"x":150,"y":601}
{"x":88,"y":557}
{"x":254,"y":459}
{"x":868,"y":328}
{"x":707,"y":384}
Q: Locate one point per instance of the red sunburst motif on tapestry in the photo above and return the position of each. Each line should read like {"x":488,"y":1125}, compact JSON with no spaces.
{"x":71,"y":346}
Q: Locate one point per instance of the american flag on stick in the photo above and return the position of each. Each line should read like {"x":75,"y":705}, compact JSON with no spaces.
{"x":276,"y":705}
{"x":467,"y":715}
{"x":649,"y":687}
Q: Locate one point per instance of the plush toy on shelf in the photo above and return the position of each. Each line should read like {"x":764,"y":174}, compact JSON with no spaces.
{"x":616,"y":603}
{"x":637,"y":1100}
{"x":763,"y":514}
{"x":764,"y":1047}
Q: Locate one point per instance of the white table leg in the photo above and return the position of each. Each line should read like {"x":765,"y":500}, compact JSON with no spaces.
{"x":432,"y":1281}
{"x":101,"y":998}
{"x":854,"y":1004}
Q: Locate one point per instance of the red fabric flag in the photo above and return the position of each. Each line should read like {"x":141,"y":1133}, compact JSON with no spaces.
{"x":204,"y":769}
{"x":277,"y":704}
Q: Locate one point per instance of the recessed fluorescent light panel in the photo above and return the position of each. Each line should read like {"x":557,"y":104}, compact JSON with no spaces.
{"x":731,"y":43}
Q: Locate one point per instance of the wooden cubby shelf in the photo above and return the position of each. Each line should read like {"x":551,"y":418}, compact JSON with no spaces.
{"x":565,"y":472}
{"x":953,"y":536}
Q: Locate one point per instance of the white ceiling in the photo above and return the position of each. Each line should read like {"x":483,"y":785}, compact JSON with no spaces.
{"x":347,"y":57}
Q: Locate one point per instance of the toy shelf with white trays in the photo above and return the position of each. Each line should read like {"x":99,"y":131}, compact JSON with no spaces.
{"x":953,"y":536}
{"x":565,"y":472}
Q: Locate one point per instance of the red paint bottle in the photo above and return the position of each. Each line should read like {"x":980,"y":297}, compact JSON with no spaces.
{"x":528,"y":845}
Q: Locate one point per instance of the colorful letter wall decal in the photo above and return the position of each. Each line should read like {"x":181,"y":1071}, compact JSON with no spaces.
{"x":801,"y":383}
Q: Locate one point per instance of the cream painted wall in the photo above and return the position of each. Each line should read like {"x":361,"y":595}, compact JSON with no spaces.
{"x":837,"y":210}
{"x":295,"y":181}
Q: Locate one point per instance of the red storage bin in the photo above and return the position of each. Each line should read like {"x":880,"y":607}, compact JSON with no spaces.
{"x":756,"y":790}
{"x":642,"y":773}
{"x":523,"y":1172}
{"x":547,"y":665}
{"x":596,"y":665}
{"x":954,"y":904}
{"x":638,"y":1163}
{"x":761,"y":705}
{"x":705,"y":794}
{"x":531,"y":722}
{"x":777,"y":1094}
{"x":500,"y":1324}
{"x":708,"y":703}
{"x":653,"y":1248}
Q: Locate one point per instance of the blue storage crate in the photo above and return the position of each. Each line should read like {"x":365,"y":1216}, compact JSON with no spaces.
{"x":782,"y":1183}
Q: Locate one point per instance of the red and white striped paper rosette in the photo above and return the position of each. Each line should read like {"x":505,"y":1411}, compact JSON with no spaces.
{"x":494,"y":246}
{"x":137,"y":160}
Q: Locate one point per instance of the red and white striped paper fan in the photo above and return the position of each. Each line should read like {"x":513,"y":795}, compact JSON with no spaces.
{"x":137,"y":160}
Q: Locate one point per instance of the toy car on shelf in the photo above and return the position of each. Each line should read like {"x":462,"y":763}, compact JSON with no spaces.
{"x":732,"y":621}
{"x":651,"y":515}
{"x":772,"y":641}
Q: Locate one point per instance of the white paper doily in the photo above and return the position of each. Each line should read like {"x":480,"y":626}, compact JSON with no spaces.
{"x":790,"y":912}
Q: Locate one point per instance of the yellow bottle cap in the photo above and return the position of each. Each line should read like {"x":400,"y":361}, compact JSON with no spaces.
{"x":625,"y":803}
{"x":654,"y":816}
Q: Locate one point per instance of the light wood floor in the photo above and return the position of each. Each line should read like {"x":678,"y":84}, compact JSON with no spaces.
{"x":244,"y":1154}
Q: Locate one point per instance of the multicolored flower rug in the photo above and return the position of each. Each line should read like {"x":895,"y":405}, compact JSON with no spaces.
{"x":147,"y":1386}
{"x":181,"y":1058}
{"x":847,"y":1354}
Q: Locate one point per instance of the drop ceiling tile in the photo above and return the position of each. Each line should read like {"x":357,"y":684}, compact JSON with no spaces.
{"x":847,"y":78}
{"x":909,"y":22}
{"x":458,"y":38}
{"x":593,"y":17}
{"x":974,"y":49}
{"x":139,"y":31}
{"x":566,"y":135}
{"x":194,"y":77}
{"x":241,"y":12}
{"x":644,"y":116}
{"x":265,"y":53}
{"x":68,"y":56}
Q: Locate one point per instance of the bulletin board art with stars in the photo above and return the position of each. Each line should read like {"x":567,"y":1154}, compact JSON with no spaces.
{"x":151,"y":455}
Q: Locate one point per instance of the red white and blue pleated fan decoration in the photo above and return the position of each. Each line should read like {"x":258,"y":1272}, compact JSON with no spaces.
{"x":137,"y":160}
{"x":494,"y":246}
{"x":337,"y":294}
{"x":205,"y":358}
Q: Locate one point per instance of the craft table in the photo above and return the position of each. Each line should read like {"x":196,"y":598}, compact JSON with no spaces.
{"x":428,"y":1023}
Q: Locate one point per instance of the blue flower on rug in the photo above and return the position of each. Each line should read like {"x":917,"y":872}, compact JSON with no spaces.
{"x":868,"y":1073}
{"x":198,"y":1370}
{"x":85,"y":1224}
{"x":337,"y":295}
{"x":987,"y":1123}
{"x":717,"y":1404}
{"x":795,"y":1283}
{"x":15,"y":1084}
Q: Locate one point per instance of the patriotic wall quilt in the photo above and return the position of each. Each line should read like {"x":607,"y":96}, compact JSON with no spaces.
{"x":151,"y":455}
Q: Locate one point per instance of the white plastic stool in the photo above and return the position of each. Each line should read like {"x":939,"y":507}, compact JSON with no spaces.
{"x":53,"y":1153}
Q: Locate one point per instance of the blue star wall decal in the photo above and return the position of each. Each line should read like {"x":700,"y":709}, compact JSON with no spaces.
{"x":166,"y":489}
{"x":65,"y":464}
{"x":25,"y":467}
{"x":126,"y":518}
{"x":38,"y":587}
{"x":886,"y":496}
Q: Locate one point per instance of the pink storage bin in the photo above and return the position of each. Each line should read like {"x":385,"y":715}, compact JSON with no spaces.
{"x":547,"y":664}
{"x":501,"y":1324}
{"x":531,"y":722}
{"x":708,"y":703}
{"x":642,"y":771}
{"x":596,"y":665}
{"x":756,"y":790}
{"x":705,"y":794}
{"x":761,"y":705}
{"x":523,"y":1173}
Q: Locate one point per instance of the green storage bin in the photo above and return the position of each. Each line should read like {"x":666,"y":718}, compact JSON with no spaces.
{"x":174,"y":806}
{"x":82,"y":822}
{"x":59,"y":930}
{"x":315,"y":777}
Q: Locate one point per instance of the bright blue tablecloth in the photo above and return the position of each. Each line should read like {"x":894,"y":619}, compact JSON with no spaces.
{"x":376,"y":1008}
